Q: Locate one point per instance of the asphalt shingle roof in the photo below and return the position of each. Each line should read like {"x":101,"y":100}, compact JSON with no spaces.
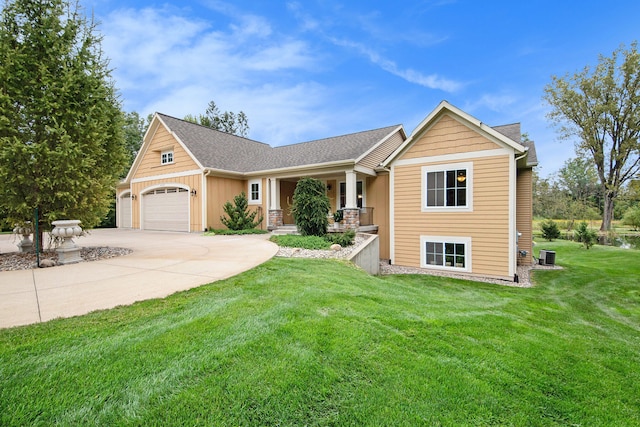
{"x":513,"y":132}
{"x":223,"y":151}
{"x":219,"y":150}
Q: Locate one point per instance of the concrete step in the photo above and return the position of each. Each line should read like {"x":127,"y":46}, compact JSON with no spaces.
{"x":287,"y":229}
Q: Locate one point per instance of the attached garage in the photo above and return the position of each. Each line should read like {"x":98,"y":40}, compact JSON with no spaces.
{"x":166,"y":209}
{"x":124,"y":214}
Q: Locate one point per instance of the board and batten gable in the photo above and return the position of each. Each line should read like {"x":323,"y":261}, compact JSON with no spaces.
{"x":485,"y":225}
{"x":151,"y":162}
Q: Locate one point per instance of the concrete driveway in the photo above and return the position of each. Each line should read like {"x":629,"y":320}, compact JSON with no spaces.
{"x":161,"y":264}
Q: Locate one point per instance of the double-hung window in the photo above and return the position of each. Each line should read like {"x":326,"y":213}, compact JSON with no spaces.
{"x":255,"y":192}
{"x":445,"y":252}
{"x":359,"y":194}
{"x":166,"y":157}
{"x":447,"y":187}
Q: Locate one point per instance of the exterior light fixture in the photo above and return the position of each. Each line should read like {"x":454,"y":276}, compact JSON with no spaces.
{"x":133,"y":197}
{"x":193,"y":192}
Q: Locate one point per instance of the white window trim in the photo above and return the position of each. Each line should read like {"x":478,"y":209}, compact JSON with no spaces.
{"x":446,"y":239}
{"x":442,"y":168}
{"x":250,"y":183}
{"x":364,"y":192}
{"x":162,"y":156}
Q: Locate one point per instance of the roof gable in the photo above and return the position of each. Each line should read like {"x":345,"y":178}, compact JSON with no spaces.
{"x":445,"y":108}
{"x":157,"y":126}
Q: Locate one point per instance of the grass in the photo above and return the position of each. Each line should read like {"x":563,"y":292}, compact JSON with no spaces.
{"x":318,"y":342}
{"x":297,"y":241}
{"x":314,"y":242}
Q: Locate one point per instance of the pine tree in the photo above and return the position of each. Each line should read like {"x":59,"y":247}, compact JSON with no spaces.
{"x":61,"y":125}
{"x":310,"y":207}
{"x":238,"y":215}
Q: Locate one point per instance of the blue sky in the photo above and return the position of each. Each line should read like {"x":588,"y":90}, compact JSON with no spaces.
{"x":304,"y":70}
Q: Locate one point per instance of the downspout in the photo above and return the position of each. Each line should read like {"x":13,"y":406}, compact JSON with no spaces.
{"x":205,"y":194}
{"x":513,"y":227}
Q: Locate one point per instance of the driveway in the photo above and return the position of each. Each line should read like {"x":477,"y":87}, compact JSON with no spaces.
{"x":161,"y":264}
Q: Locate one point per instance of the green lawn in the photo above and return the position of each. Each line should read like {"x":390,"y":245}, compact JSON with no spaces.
{"x":311,"y":342}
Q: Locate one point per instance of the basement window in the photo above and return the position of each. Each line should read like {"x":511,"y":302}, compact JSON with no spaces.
{"x":442,"y":252}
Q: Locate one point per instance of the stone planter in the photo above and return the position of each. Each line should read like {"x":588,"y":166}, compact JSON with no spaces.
{"x":26,"y":245}
{"x":68,"y":252}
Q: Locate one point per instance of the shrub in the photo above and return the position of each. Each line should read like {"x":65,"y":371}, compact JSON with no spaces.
{"x":586,"y":235}
{"x":343,"y":239}
{"x":632,"y":217}
{"x":304,"y":242}
{"x":226,"y":232}
{"x":239,"y":217}
{"x":550,"y":230}
{"x":310,"y":207}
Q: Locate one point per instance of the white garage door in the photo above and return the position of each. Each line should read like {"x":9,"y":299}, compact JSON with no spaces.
{"x":124,"y":215}
{"x":166,"y":209}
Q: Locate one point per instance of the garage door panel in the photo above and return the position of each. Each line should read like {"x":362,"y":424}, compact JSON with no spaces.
{"x":166,"y":210}
{"x":125,"y":211}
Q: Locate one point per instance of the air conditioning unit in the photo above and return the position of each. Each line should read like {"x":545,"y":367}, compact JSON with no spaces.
{"x":547,"y":257}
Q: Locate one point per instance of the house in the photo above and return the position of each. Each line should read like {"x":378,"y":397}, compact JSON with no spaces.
{"x":454,"y":195}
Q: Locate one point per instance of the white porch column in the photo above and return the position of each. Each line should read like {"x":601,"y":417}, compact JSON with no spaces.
{"x":274,"y":194}
{"x":352,"y":191}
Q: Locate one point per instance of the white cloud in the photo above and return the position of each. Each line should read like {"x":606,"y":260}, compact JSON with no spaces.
{"x":493,"y":102}
{"x":170,"y":62}
{"x":431,"y":81}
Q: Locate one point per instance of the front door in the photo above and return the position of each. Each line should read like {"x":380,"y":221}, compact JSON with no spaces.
{"x":286,"y":201}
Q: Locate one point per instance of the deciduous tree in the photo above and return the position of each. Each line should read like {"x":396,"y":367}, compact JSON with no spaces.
{"x":601,"y":108}
{"x":61,"y":125}
{"x":134,"y":129}
{"x":228,"y":121}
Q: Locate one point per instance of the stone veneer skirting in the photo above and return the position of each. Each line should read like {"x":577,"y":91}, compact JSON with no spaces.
{"x":351,"y":218}
{"x":275,"y":219}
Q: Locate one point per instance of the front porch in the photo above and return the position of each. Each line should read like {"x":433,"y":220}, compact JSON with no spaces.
{"x":365,"y":225}
{"x":346,"y":190}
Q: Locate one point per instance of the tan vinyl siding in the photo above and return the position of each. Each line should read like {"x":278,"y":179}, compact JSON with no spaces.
{"x":150,"y":163}
{"x":377,"y":156}
{"x":487,"y":224}
{"x":448,"y":136}
{"x":524,"y":214}
{"x":191,"y":181}
{"x":377,"y":191}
